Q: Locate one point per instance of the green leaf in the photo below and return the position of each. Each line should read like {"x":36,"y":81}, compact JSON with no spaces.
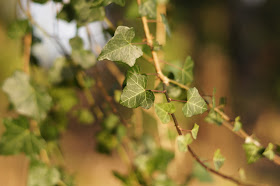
{"x":218,"y":159}
{"x":134,"y":94}
{"x":110,"y":122}
{"x":18,"y":28}
{"x":40,"y":1}
{"x":163,"y":180}
{"x":148,"y":100}
{"x":163,"y":110}
{"x":118,"y":2}
{"x":187,"y":71}
{"x":42,"y":175}
{"x":84,"y":116}
{"x":120,"y":48}
{"x":214,"y":118}
{"x":253,"y":152}
{"x":67,"y":13}
{"x":28,"y":100}
{"x":165,"y":22}
{"x":269,"y":153}
{"x":148,"y":8}
{"x":18,"y":138}
{"x":84,"y":58}
{"x":194,"y":131}
{"x":201,"y":173}
{"x":237,"y":124}
{"x":76,"y":43}
{"x":195,"y":105}
{"x":183,"y":141}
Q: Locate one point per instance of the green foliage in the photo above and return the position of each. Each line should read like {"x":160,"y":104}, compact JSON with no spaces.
{"x":163,"y":110}
{"x":119,"y":48}
{"x":166,"y":25}
{"x":218,"y":159}
{"x":18,"y":28}
{"x":118,"y":2}
{"x":214,"y":118}
{"x":201,"y":173}
{"x":40,"y":1}
{"x":183,"y":141}
{"x":187,"y":71}
{"x":269,"y":153}
{"x":195,"y":105}
{"x":148,"y":8}
{"x":237,"y":124}
{"x":194,"y":131}
{"x":18,"y":138}
{"x":84,"y":116}
{"x":134,"y":93}
{"x":41,"y":174}
{"x":253,"y":152}
{"x":28,"y":99}
{"x":163,"y":180}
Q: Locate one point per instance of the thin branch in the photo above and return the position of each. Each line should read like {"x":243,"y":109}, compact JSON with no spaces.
{"x":183,"y":101}
{"x":178,"y":84}
{"x":158,"y":91}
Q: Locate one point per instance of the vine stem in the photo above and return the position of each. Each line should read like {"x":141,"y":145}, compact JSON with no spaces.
{"x":165,"y":82}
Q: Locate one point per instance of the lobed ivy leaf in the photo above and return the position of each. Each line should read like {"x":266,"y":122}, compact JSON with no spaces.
{"x":237,"y":124}
{"x":27,"y":99}
{"x":134,"y":94}
{"x":163,"y":110}
{"x":194,"y":131}
{"x":148,"y":8}
{"x":18,"y":138}
{"x":187,"y":71}
{"x":218,"y":159}
{"x":253,"y":152}
{"x":18,"y":28}
{"x":183,"y":141}
{"x":43,"y":175}
{"x":195,"y":105}
{"x":214,"y":118}
{"x":165,"y":22}
{"x":269,"y":153}
{"x":120,"y":48}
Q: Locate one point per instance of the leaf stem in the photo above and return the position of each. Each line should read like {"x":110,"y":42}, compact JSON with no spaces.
{"x":178,"y":84}
{"x":183,"y":101}
{"x":158,"y":91}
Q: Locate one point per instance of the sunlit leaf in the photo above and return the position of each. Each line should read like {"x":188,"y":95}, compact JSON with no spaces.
{"x":18,"y":138}
{"x":183,"y":141}
{"x":218,"y":159}
{"x":195,"y":105}
{"x":27,"y":99}
{"x":194,"y":130}
{"x":120,"y":48}
{"x":269,"y":153}
{"x":163,"y":110}
{"x":148,"y":8}
{"x":187,"y":71}
{"x":237,"y":124}
{"x":253,"y":152}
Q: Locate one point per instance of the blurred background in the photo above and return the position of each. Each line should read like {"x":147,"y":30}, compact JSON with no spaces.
{"x":235,"y":45}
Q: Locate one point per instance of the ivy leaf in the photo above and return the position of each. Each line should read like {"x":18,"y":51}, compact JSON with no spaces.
{"x":195,"y":105}
{"x":201,"y":173}
{"x":163,"y":110}
{"x":237,"y":124}
{"x":134,"y":94}
{"x":84,"y":116}
{"x":67,"y":13}
{"x":120,"y":48}
{"x":27,"y":99}
{"x":18,"y":28}
{"x":187,"y":71}
{"x":84,"y":58}
{"x":40,"y":1}
{"x":43,"y":175}
{"x":118,"y":2}
{"x":269,"y":153}
{"x":76,"y":43}
{"x":183,"y":141}
{"x":214,"y":118}
{"x":194,"y":131}
{"x":165,"y":22}
{"x":218,"y":159}
{"x":18,"y":138}
{"x":148,"y":100}
{"x":253,"y":152}
{"x":148,"y":8}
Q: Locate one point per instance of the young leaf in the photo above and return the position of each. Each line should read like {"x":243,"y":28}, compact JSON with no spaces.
{"x":148,"y":8}
{"x":165,"y":22}
{"x":120,"y":48}
{"x":183,"y":142}
{"x":269,"y":153}
{"x":17,"y":138}
{"x":214,"y":118}
{"x":187,"y":71}
{"x":218,"y":159}
{"x":18,"y":29}
{"x":43,"y":175}
{"x":195,"y":105}
{"x":163,"y":110}
{"x":253,"y":152}
{"x":26,"y":99}
{"x":134,"y":94}
{"x":237,"y":124}
{"x":195,"y":131}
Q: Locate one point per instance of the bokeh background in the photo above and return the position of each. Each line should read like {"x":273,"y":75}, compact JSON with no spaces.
{"x":235,"y":45}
